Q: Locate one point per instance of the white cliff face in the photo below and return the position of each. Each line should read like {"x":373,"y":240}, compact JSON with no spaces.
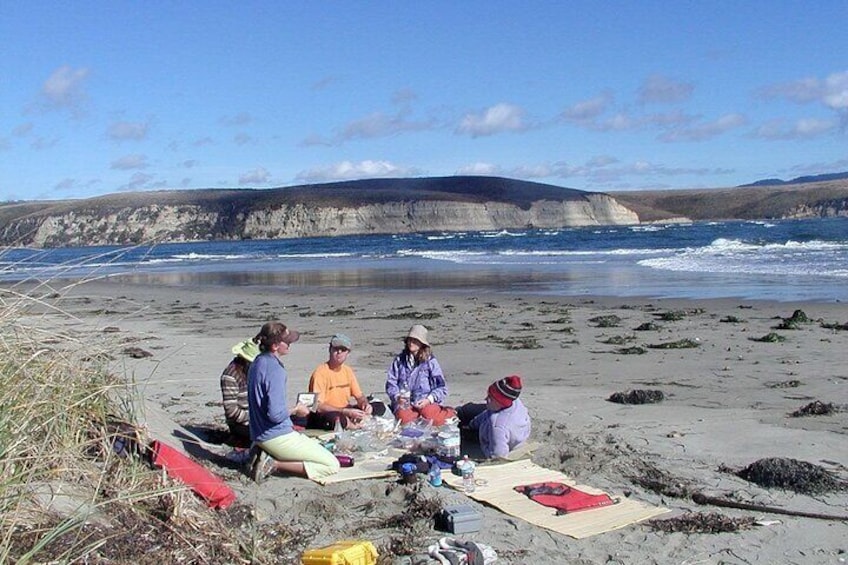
{"x":149,"y":224}
{"x":159,"y":223}
{"x":416,"y":216}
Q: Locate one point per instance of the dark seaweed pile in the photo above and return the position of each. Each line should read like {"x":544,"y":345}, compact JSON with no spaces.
{"x":637,"y":396}
{"x":791,"y":474}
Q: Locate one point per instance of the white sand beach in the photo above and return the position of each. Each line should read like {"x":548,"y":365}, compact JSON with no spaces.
{"x":727,"y":403}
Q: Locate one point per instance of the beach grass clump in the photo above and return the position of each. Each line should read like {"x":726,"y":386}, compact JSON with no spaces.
{"x":648,"y":327}
{"x":731,"y":320}
{"x":75,"y":486}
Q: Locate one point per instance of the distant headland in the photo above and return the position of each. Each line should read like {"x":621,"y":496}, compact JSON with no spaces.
{"x":401,"y":205}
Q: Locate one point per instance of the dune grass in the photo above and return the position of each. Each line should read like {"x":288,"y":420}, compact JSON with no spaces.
{"x":75,"y":485}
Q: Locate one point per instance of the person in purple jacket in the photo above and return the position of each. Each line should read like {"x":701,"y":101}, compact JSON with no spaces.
{"x":415,"y":383}
{"x":505,"y":423}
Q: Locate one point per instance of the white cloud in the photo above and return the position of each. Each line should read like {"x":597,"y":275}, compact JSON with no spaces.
{"x":240,"y":119}
{"x":129,"y":162}
{"x":658,"y":89}
{"x":704,"y":131}
{"x":831,"y":92}
{"x":347,"y":170}
{"x":259,"y":175}
{"x":380,"y":125}
{"x":22,"y":130}
{"x":588,"y":110}
{"x":65,"y":185}
{"x":479,"y":169}
{"x":496,"y":119}
{"x":127,"y":131}
{"x":836,"y":91}
{"x":64,"y":89}
{"x":139,"y":181}
{"x":42,"y":143}
{"x":802,"y":129}
{"x":242,"y":139}
{"x":404,"y":96}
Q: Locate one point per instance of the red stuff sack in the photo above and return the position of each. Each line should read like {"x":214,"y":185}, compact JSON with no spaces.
{"x":564,"y":498}
{"x":212,"y":489}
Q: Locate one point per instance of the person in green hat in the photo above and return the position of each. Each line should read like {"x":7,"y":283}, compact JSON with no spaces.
{"x":234,"y":390}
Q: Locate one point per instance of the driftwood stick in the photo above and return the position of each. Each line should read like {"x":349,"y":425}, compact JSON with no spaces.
{"x":701,"y":498}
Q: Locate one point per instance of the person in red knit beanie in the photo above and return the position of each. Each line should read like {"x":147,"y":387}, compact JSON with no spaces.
{"x":505,"y":423}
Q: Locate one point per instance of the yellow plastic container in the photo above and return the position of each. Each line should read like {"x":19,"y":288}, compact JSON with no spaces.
{"x":343,"y":552}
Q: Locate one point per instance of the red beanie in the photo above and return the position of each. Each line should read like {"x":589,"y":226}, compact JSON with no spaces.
{"x":506,"y":390}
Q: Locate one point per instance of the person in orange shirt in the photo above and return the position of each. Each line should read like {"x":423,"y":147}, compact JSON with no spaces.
{"x":339,"y":394}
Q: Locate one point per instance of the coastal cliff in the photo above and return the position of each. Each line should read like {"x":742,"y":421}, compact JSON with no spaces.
{"x":381,"y":206}
{"x":358,"y":207}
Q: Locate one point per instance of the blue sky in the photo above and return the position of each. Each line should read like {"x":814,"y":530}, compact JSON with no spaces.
{"x":104,"y":97}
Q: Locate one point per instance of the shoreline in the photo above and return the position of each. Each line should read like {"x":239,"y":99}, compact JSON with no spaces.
{"x":727,"y":401}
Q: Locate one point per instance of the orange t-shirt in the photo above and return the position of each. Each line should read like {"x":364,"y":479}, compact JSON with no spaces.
{"x":334,"y":387}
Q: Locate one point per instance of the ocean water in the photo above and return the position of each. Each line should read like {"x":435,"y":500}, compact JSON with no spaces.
{"x":772,"y":260}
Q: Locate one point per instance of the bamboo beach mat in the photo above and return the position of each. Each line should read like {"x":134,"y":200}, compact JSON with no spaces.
{"x":496,"y":483}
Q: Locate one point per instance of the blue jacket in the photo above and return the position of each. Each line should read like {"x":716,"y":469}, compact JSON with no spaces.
{"x":266,"y":398}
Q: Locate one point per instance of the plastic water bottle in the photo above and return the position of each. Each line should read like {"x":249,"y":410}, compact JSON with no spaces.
{"x":337,"y":428}
{"x":404,"y":394}
{"x":435,"y":475}
{"x":467,"y":475}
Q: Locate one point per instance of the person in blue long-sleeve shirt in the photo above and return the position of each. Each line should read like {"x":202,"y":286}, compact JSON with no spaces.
{"x":277,"y":447}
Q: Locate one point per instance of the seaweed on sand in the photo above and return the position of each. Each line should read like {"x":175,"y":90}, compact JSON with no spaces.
{"x":679,"y":344}
{"x":634,"y":350}
{"x":610,"y":321}
{"x":815,"y":408}
{"x":637,"y":396}
{"x":659,"y":481}
{"x":414,"y":522}
{"x":770,"y":337}
{"x":792,"y":474}
{"x":702,"y":523}
{"x":794,"y":322}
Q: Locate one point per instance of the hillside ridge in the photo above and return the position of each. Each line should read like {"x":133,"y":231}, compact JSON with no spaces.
{"x":401,"y":205}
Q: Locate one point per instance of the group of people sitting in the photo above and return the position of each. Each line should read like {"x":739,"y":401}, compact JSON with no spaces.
{"x":257,"y":409}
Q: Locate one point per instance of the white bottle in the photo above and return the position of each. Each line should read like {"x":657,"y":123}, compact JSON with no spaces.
{"x":404,"y":394}
{"x":467,"y":475}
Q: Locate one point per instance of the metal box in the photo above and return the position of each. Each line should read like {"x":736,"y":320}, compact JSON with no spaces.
{"x":460,"y":519}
